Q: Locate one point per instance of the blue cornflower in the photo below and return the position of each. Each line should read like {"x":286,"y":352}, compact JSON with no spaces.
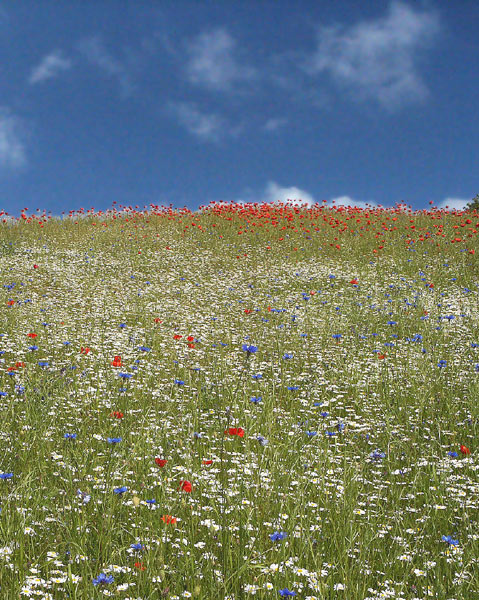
{"x":311,"y":433}
{"x":138,"y":546}
{"x":3,"y":394}
{"x":324,"y":414}
{"x":377,"y":455}
{"x":103,"y":579}
{"x":450,"y":541}
{"x":392,"y":323}
{"x":125,"y":375}
{"x":249,"y":349}
{"x":287,"y":356}
{"x":144,"y":349}
{"x":152,"y":501}
{"x":32,"y":348}
{"x":262,"y":440}
{"x":179,"y":382}
{"x":122,"y":325}
{"x":254,"y":399}
{"x":286,"y":592}
{"x":43,"y":363}
{"x":115,"y":440}
{"x":84,"y":496}
{"x":293,"y":388}
{"x":6,"y":475}
{"x":331,"y":433}
{"x":120,"y":490}
{"x":453,"y":454}
{"x":442,"y":363}
{"x":337,"y":336}
{"x":341,"y":426}
{"x":257,"y":376}
{"x":70,"y":436}
{"x":277,"y":536}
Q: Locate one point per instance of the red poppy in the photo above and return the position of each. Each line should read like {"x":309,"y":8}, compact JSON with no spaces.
{"x":10,"y":302}
{"x":168,"y":519}
{"x":161,"y":462}
{"x":354,"y":281}
{"x":191,"y":338}
{"x":207,"y":462}
{"x":158,"y":320}
{"x":35,"y":266}
{"x":140,"y":566}
{"x":84,"y":350}
{"x":117,"y":415}
{"x":465,"y":450}
{"x":247,"y":311}
{"x":235,"y":431}
{"x":185,"y":486}
{"x":381,"y":356}
{"x":116,"y":362}
{"x":177,"y":337}
{"x":32,"y":335}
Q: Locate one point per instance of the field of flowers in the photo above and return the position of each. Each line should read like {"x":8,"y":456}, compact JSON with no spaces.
{"x":260,"y":400}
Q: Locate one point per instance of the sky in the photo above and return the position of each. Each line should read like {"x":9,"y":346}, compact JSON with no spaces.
{"x":185,"y":103}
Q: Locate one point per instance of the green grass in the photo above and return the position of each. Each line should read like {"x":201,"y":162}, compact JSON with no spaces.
{"x":364,"y":501}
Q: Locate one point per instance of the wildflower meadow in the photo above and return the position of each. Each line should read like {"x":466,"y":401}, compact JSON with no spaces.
{"x":250,"y":400}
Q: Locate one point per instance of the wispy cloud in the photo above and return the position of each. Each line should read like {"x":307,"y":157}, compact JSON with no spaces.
{"x":376,"y":59}
{"x":273,"y":125}
{"x":50,"y":66}
{"x":454,"y":203}
{"x":209,"y":127}
{"x":95,"y":52}
{"x":213,"y":63}
{"x":12,"y":148}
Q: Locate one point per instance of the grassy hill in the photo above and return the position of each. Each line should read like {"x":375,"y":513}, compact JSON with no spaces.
{"x":249,"y":400}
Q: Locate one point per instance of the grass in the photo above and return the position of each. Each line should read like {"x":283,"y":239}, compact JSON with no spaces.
{"x":340,"y":482}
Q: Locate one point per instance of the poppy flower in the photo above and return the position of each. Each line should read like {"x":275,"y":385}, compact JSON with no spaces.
{"x":177,"y":337}
{"x":10,"y":302}
{"x":354,"y":282}
{"x":185,"y":486}
{"x":84,"y":350}
{"x":191,"y":338}
{"x":235,"y":431}
{"x":117,"y":362}
{"x":207,"y":462}
{"x":465,"y":450}
{"x":157,"y":320}
{"x":140,"y":566}
{"x":161,"y":462}
{"x":32,"y":335}
{"x":168,"y":519}
{"x":117,"y":414}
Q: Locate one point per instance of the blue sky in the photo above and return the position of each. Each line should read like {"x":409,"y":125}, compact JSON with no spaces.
{"x":188,"y":102}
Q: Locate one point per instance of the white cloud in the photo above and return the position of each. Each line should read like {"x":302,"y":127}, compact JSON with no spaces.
{"x":272,"y":125}
{"x":212,"y":61}
{"x":206,"y":126}
{"x":49,"y":67}
{"x":276,"y":193}
{"x":12,"y":149}
{"x":95,"y":52}
{"x":348,"y":201}
{"x":454,"y":203}
{"x":377,"y":58}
